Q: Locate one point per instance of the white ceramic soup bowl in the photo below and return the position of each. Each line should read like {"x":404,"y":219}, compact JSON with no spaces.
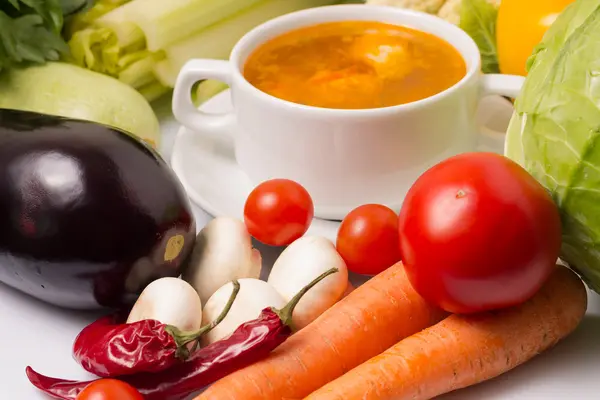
{"x":344,"y":158}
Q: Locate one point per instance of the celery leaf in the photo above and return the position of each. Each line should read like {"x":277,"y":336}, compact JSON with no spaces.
{"x":30,"y":32}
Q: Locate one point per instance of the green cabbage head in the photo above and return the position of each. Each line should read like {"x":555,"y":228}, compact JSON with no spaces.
{"x":555,"y":130}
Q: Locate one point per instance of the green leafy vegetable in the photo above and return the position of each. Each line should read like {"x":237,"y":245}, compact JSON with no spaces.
{"x":70,"y":7}
{"x":555,"y":130}
{"x":49,"y":10}
{"x":30,"y":32}
{"x":478,"y":19}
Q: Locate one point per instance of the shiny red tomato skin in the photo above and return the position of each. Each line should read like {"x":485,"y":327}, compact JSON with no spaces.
{"x":477,"y":233}
{"x":278,"y":211}
{"x":368,"y":239}
{"x":109,"y":389}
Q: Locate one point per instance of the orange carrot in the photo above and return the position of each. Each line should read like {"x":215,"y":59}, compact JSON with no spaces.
{"x":366,"y":322}
{"x":462,"y":351}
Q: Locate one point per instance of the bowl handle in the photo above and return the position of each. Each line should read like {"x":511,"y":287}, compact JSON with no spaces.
{"x":184,"y":110}
{"x":501,"y":85}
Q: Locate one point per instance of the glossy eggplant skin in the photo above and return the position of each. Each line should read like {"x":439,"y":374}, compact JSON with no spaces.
{"x":88,"y":214}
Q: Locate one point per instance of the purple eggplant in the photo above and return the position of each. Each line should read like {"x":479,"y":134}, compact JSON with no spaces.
{"x":89,"y":215}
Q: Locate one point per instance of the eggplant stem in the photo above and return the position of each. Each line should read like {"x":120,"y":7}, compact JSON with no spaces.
{"x":286,"y":313}
{"x":182,"y":339}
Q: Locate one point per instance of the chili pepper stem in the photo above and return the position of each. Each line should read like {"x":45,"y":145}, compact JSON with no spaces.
{"x":182,"y":339}
{"x":285,"y":314}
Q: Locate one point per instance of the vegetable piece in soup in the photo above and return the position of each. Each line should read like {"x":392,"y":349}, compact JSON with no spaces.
{"x":354,"y":65}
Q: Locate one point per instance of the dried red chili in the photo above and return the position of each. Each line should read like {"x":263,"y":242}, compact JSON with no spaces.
{"x":251,"y":342}
{"x":110,"y":348}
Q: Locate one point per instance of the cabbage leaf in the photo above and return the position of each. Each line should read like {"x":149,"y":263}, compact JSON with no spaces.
{"x":555,"y":130}
{"x":478,"y":18}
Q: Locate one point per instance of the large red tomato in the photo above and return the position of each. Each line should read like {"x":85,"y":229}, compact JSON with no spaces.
{"x":368,"y":239}
{"x":109,"y":389}
{"x":477,"y":232}
{"x":278,"y":211}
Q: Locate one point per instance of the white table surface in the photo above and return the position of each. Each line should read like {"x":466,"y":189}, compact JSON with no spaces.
{"x":36,"y":334}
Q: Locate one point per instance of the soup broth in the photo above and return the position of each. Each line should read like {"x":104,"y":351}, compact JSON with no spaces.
{"x":354,"y":65}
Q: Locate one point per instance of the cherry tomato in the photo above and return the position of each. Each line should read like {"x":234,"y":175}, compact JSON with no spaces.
{"x":477,"y":232}
{"x":368,"y":239}
{"x":109,"y":389}
{"x":520,"y":27}
{"x":278,"y":211}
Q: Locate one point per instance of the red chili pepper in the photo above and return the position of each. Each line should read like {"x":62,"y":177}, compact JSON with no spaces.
{"x":251,"y":342}
{"x":108,"y":348}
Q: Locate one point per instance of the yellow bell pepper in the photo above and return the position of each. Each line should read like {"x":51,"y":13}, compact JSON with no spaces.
{"x":520,"y":27}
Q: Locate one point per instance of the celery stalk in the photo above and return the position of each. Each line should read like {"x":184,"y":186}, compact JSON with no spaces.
{"x":208,"y":89}
{"x":95,"y":49}
{"x":85,"y":19}
{"x":168,"y":21}
{"x":153,"y":91}
{"x":127,"y":59}
{"x":139,"y":73}
{"x":129,"y":35}
{"x":165,"y":73}
{"x":100,"y":46}
{"x":218,"y":40}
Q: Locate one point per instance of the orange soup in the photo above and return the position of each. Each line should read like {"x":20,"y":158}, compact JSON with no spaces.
{"x":354,"y":65}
